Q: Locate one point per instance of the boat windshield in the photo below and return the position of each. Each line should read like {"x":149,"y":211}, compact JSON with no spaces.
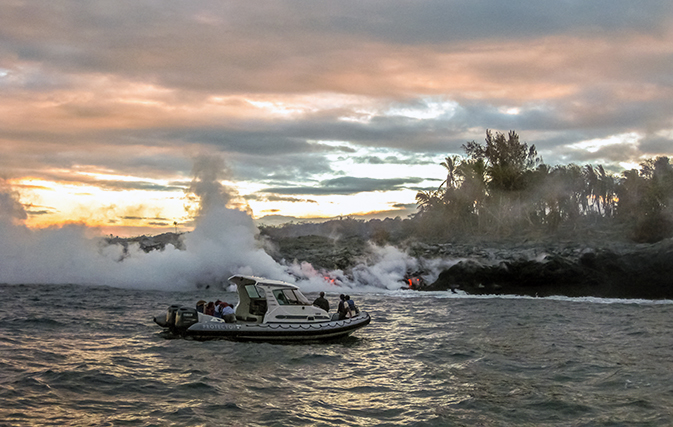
{"x":290,"y":297}
{"x":257,"y":304}
{"x":252,"y":291}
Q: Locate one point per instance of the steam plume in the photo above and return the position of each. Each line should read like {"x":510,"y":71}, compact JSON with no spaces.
{"x":224,"y":242}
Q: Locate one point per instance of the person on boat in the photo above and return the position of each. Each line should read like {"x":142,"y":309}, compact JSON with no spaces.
{"x":322,"y":302}
{"x":218,"y":309}
{"x":344,"y":308}
{"x":200,"y":306}
{"x":351,"y":305}
{"x":210,"y":309}
{"x":228,"y":313}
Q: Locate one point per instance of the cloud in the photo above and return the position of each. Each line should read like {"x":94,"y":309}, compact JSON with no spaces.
{"x":348,"y":185}
{"x":160,"y":223}
{"x":274,"y":198}
{"x":401,"y":159}
{"x":244,"y":40}
{"x":404,"y":205}
{"x":654,"y":145}
{"x":123,"y":95}
{"x":373,"y":160}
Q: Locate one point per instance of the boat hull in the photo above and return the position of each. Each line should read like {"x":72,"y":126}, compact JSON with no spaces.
{"x":280,"y":331}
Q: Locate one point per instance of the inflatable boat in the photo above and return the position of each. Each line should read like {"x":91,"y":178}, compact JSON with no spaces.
{"x":267,"y":310}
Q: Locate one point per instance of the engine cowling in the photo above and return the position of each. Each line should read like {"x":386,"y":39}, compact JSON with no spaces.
{"x":185,"y":317}
{"x":170,"y":315}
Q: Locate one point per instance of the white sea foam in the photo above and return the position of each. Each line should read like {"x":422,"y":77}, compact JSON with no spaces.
{"x":463,"y":295}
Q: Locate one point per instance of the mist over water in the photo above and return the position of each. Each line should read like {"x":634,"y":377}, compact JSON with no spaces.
{"x":225,"y":241}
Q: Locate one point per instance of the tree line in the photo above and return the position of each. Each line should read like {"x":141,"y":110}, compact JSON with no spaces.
{"x":502,"y":188}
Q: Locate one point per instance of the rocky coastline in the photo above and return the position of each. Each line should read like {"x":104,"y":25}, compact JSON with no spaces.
{"x":600,"y":266}
{"x":615,"y":271}
{"x":595,"y":266}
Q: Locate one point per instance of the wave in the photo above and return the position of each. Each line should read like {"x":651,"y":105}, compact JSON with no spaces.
{"x":464,"y":295}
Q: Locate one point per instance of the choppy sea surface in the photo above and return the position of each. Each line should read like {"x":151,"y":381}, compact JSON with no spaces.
{"x":92,"y":356}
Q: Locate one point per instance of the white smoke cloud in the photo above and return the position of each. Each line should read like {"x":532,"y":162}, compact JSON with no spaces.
{"x":224,"y":242}
{"x":383,"y":268}
{"x":11,"y":209}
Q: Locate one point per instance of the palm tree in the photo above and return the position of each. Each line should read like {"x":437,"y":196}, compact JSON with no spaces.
{"x":450,"y":163}
{"x":428,"y":201}
{"x":629,"y":192}
{"x":473,"y":187}
{"x":606,"y":191}
{"x":590,"y":185}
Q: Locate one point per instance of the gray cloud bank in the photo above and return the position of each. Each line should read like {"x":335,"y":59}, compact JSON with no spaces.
{"x":141,"y":88}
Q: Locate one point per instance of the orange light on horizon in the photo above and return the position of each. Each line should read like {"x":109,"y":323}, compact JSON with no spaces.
{"x":52,"y":203}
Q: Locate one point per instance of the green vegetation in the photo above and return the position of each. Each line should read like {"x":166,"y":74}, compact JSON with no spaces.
{"x":502,"y":188}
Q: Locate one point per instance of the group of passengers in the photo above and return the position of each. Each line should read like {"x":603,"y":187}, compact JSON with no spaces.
{"x":220,"y":309}
{"x":345,"y":309}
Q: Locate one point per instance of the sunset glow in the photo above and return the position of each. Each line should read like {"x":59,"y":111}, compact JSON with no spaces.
{"x":53,"y":203}
{"x":341,"y":109}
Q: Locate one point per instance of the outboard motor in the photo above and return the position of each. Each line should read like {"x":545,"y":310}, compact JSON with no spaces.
{"x":185,"y":317}
{"x":170,"y":315}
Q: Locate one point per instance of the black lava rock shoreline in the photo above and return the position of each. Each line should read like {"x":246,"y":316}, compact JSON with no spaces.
{"x":597,"y":266}
{"x":616,"y":271}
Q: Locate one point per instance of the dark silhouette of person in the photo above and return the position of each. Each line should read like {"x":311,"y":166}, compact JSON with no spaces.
{"x":322,"y":302}
{"x":344,"y":308}
{"x":351,"y":305}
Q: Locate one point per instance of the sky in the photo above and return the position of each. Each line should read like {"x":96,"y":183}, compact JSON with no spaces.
{"x":311,"y":109}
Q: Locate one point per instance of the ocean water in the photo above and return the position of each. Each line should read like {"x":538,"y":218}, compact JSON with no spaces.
{"x":92,"y":356}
